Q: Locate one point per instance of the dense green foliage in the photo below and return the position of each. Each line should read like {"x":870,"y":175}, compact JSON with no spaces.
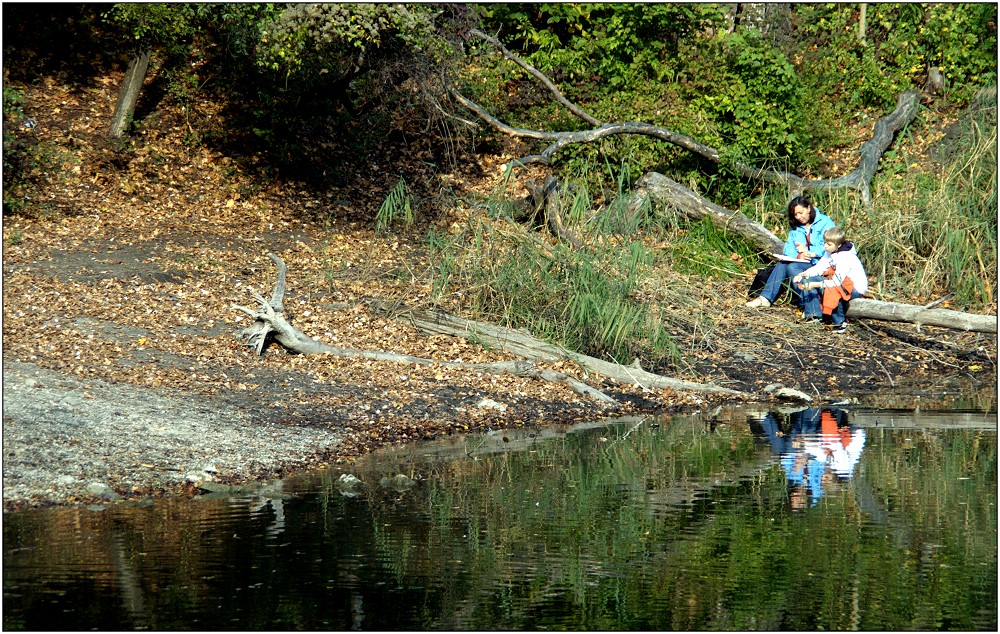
{"x":13,"y":146}
{"x":736,"y":87}
{"x":902,"y":42}
{"x":600,"y":43}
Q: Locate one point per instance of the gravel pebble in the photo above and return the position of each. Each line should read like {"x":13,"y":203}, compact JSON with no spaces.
{"x":66,"y":440}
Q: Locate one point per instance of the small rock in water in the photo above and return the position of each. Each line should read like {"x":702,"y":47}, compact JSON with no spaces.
{"x":213,"y":487}
{"x":103,"y":491}
{"x":398,"y":482}
{"x":348,"y":485}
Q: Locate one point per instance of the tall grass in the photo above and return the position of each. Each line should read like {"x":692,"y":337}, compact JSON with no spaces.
{"x":609,"y":299}
{"x":934,"y":235}
{"x":396,"y":209}
{"x":588,"y":300}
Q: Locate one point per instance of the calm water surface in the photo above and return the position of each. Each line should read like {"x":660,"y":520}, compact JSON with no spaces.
{"x":785,"y":520}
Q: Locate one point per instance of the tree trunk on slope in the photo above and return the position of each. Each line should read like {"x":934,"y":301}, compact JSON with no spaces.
{"x":128,"y":94}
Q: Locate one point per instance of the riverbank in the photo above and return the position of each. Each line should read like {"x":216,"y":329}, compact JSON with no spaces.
{"x":124,"y":377}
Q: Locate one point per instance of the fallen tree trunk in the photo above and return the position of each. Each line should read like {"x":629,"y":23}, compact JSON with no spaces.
{"x":921,"y":316}
{"x":655,"y":188}
{"x":871,"y":151}
{"x":270,"y":324}
{"x":529,"y":347}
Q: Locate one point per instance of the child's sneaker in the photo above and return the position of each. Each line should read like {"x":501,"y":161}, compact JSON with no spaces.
{"x":840,"y":329}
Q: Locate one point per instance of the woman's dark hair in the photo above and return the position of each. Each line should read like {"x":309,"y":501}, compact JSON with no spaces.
{"x":800,"y":201}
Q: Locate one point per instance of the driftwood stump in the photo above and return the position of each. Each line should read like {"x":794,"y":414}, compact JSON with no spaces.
{"x":271,"y":324}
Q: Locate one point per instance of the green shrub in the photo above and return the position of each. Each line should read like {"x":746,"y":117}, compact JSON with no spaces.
{"x":27,"y":162}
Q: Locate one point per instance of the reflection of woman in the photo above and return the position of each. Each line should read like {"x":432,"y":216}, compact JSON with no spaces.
{"x":805,"y":242}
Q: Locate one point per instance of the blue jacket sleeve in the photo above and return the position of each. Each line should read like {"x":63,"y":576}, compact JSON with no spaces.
{"x":794,"y":235}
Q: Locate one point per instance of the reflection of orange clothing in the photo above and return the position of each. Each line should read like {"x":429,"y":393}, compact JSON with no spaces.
{"x":830,"y":430}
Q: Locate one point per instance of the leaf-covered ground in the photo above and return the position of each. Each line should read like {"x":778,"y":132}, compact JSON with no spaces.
{"x":126,"y":270}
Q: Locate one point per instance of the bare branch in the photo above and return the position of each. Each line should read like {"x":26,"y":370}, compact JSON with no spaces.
{"x":578,"y":111}
{"x":860,"y":179}
{"x":278,"y":296}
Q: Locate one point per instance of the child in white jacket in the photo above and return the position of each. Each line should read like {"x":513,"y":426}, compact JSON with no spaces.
{"x":840,"y":276}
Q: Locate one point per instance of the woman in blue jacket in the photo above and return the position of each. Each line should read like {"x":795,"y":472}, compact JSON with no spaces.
{"x":805,"y":243}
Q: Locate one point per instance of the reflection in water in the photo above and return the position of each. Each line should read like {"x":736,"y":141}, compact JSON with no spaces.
{"x":818,"y":451}
{"x":646,"y":524}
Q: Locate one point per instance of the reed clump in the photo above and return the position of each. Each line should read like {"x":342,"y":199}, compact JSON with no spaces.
{"x":610,"y":298}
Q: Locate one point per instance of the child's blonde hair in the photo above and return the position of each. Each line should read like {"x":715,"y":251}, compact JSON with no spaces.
{"x":835,"y":235}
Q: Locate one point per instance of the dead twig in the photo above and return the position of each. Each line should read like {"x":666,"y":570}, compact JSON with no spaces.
{"x":888,"y":376}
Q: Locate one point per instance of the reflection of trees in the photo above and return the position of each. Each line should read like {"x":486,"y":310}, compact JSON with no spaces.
{"x":558,"y":525}
{"x":133,"y":597}
{"x":683,"y":526}
{"x":160,"y":562}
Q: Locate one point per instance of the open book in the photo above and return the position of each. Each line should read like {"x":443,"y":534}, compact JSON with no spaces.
{"x":784,"y":258}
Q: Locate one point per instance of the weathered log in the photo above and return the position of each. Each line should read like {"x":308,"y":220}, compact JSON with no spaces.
{"x":890,"y":311}
{"x":562,"y":139}
{"x":526,"y":346}
{"x":656,"y":188}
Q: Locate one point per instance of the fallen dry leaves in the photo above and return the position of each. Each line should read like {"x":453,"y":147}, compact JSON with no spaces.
{"x":127,"y":273}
